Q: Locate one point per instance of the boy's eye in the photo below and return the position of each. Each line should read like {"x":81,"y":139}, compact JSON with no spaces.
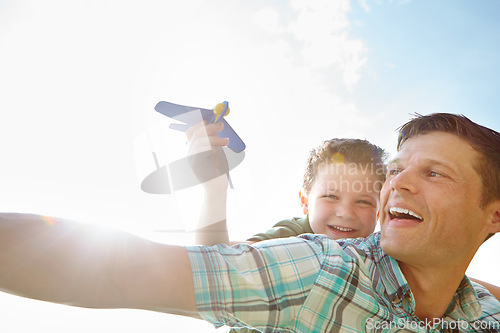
{"x":364,"y":202}
{"x":332,"y":196}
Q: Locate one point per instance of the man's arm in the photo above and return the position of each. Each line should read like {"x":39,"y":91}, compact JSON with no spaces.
{"x":77,"y":264}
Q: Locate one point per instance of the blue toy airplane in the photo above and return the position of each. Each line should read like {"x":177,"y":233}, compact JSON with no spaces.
{"x":189,"y":116}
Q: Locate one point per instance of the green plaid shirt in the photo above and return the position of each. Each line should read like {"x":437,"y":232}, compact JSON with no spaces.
{"x":315,"y":284}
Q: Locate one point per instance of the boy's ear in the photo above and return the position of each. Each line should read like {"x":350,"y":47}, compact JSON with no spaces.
{"x":303,"y":202}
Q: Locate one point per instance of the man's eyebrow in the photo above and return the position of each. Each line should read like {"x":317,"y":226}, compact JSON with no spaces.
{"x":393,"y":161}
{"x":439,"y":163}
{"x":427,"y":161}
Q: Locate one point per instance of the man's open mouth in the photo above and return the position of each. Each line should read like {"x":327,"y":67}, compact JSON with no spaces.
{"x":403,"y":213}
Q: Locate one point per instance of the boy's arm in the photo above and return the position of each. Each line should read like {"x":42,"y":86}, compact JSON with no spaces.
{"x":494,"y":290}
{"x":212,"y":228}
{"x":76,"y":264}
{"x":284,"y":229}
{"x":210,"y":165}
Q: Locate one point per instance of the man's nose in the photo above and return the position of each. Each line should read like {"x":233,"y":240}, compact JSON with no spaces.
{"x":404,"y":181}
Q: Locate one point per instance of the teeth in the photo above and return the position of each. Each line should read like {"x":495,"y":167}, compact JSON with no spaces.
{"x":398,"y":210}
{"x":340,"y":228}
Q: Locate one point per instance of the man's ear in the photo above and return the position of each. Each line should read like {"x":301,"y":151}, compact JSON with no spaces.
{"x":494,"y":222}
{"x":304,"y":202}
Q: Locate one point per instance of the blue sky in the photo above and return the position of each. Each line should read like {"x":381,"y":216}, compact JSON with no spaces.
{"x":436,"y":55}
{"x":79,"y":81}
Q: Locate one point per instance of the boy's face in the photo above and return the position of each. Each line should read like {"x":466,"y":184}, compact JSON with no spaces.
{"x":343,"y":201}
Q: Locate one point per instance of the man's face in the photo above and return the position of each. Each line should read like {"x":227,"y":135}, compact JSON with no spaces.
{"x":431,"y":201}
{"x":343,"y":201}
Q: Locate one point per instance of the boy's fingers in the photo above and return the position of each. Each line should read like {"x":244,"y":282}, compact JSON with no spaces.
{"x":203,"y":132}
{"x":193,"y":129}
{"x":202,"y":128}
{"x":206,"y":143}
{"x":218,"y":141}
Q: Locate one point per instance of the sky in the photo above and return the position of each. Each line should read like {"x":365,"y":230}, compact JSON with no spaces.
{"x":79,"y":81}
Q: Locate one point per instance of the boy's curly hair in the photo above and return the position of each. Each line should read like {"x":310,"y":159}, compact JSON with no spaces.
{"x":352,"y":151}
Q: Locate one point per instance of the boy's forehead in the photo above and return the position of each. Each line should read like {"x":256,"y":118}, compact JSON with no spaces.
{"x":345,"y":177}
{"x":348,"y":168}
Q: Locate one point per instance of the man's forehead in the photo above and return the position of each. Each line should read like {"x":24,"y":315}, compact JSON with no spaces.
{"x":437,"y":148}
{"x":439,"y":143}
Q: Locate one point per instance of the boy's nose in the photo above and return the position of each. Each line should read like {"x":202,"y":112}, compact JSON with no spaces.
{"x":345,"y":210}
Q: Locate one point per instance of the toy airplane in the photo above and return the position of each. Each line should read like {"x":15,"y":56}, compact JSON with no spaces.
{"x":191,"y":115}
{"x":178,"y":175}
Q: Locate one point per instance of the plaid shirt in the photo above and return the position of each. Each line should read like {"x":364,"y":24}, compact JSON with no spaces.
{"x":315,"y":284}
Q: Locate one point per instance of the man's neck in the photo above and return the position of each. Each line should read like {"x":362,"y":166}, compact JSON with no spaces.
{"x":433,"y":289}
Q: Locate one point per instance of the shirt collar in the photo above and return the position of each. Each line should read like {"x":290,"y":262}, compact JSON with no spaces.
{"x":465,"y":303}
{"x":395,"y":283}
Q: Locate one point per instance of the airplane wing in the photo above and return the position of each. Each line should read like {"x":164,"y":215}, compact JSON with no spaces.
{"x":191,"y":115}
{"x":187,"y":114}
{"x":235,"y":143}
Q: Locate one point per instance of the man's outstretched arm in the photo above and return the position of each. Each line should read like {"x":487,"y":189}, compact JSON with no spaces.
{"x":73,"y":263}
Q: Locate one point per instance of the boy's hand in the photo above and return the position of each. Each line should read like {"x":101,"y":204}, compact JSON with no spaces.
{"x":206,"y":157}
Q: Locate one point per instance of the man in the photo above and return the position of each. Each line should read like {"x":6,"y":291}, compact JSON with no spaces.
{"x":441,"y":201}
{"x":440,"y":205}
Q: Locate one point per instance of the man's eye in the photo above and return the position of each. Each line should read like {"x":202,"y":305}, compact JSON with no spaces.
{"x":393,"y":172}
{"x":435,"y":174}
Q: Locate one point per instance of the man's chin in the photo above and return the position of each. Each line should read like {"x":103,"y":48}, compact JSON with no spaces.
{"x":391,"y":246}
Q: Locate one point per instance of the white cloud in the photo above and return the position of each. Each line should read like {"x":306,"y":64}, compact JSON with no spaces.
{"x":322,"y":27}
{"x":364,"y":5}
{"x":268,"y":20}
{"x":389,"y":65}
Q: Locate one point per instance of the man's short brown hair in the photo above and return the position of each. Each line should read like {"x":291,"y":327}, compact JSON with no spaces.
{"x":482,"y":139}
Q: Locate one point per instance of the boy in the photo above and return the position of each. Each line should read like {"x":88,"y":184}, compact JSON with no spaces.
{"x":339,"y":195}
